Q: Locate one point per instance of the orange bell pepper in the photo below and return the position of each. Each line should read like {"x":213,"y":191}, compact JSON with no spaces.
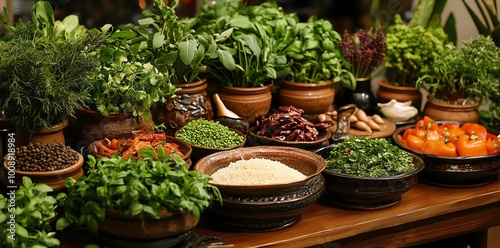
{"x":430,"y":124}
{"x":475,"y":129}
{"x":470,"y":145}
{"x":414,"y":142}
{"x":453,"y":134}
{"x":492,"y":143}
{"x":439,"y":148}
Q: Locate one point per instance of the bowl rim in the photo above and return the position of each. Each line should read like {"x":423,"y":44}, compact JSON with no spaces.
{"x":415,"y":157}
{"x":69,"y":169}
{"x":323,"y":136}
{"x":401,"y":129}
{"x":257,"y":149}
{"x":218,"y":149}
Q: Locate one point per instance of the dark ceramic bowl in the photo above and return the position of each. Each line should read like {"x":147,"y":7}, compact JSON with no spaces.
{"x":455,"y":171}
{"x":366,"y":193}
{"x":265,"y":207}
{"x":259,"y":140}
{"x":200,"y":152}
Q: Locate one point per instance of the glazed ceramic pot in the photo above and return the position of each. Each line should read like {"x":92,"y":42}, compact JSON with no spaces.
{"x":171,"y":223}
{"x":362,"y":96}
{"x":45,"y":135}
{"x":313,"y":98}
{"x":91,"y":125}
{"x":451,"y":112}
{"x":247,"y":102}
{"x":387,"y":92}
{"x":192,"y":102}
{"x":54,"y":179}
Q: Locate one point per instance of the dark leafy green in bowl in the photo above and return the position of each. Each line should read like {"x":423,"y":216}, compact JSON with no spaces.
{"x":369,"y":157}
{"x":367,"y":173}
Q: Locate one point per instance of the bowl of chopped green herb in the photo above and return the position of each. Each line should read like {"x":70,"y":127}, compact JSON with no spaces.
{"x":208,"y":136}
{"x":368,"y":173}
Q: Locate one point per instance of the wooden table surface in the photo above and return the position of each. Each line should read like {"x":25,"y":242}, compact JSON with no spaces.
{"x":425,"y":213}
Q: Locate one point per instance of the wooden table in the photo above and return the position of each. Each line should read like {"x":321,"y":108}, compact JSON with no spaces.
{"x":425,"y":213}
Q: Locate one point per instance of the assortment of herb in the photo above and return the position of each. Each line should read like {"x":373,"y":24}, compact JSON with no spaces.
{"x":210,"y":134}
{"x":148,"y":185}
{"x":364,"y":51}
{"x":369,"y":157}
{"x":468,"y":73}
{"x":46,"y":68}
{"x":34,"y":210}
{"x":410,"y":51}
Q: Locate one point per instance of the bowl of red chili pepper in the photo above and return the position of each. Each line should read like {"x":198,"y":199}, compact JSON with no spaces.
{"x":455,"y":154}
{"x":128,"y":147}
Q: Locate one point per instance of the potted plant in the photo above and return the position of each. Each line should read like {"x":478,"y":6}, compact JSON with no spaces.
{"x":151,"y":197}
{"x":462,"y":78}
{"x":364,"y":51}
{"x":46,"y":68}
{"x":249,"y":63}
{"x":317,"y":63}
{"x":410,"y":51}
{"x":34,"y":211}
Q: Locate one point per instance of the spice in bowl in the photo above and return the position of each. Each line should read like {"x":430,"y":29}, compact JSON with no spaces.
{"x":38,"y":157}
{"x":209,"y":134}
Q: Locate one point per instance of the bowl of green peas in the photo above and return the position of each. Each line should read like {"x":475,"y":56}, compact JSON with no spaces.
{"x":208,"y":136}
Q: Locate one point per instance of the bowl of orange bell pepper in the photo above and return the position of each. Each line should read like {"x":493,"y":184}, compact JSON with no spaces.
{"x":454,"y":153}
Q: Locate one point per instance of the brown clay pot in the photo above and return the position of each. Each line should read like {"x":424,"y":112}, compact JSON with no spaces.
{"x":140,"y":227}
{"x":192,"y":102}
{"x":451,"y":112}
{"x":45,"y":135}
{"x":313,"y":98}
{"x":387,"y":92}
{"x":90,"y":125}
{"x":55,"y":179}
{"x":247,"y":102}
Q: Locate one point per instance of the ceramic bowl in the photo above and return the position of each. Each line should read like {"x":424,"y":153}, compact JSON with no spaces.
{"x":454,"y":171}
{"x":265,"y":207}
{"x":55,"y":179}
{"x":366,"y":193}
{"x":199,"y":151}
{"x":260,"y":140}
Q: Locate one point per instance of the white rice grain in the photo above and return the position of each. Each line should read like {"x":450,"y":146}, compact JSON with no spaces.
{"x":256,"y":171}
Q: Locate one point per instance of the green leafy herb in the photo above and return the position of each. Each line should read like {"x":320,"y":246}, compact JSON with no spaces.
{"x":369,"y":157}
{"x":29,"y":216}
{"x":147,"y":185}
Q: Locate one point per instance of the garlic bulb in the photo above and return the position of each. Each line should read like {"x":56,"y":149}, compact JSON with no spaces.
{"x":398,"y":111}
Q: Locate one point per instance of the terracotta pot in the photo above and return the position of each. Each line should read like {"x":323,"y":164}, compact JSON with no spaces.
{"x":313,"y":98}
{"x":91,"y":125}
{"x":247,"y":102}
{"x":55,"y":179}
{"x":45,"y":135}
{"x":387,"y":92}
{"x":192,"y":102}
{"x":362,"y":96}
{"x":451,"y":112}
{"x":140,"y":227}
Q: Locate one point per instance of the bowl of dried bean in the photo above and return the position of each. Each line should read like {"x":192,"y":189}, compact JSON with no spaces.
{"x":208,"y":136}
{"x":49,"y":164}
{"x":287,"y":127}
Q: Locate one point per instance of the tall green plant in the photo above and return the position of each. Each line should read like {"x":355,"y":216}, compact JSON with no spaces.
{"x":487,"y":20}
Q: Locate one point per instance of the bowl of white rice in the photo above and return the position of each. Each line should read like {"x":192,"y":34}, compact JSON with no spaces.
{"x":263,"y":187}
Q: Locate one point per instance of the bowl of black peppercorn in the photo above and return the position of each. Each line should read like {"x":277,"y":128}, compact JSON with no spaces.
{"x":47,"y":163}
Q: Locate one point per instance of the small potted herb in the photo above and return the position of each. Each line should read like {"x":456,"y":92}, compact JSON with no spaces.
{"x":46,"y":68}
{"x":151,"y":197}
{"x":317,"y":63}
{"x":34,"y":211}
{"x":464,"y":77}
{"x":364,"y":51}
{"x":410,"y":51}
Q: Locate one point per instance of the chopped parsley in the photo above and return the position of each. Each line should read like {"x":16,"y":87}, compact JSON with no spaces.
{"x":369,"y":157}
